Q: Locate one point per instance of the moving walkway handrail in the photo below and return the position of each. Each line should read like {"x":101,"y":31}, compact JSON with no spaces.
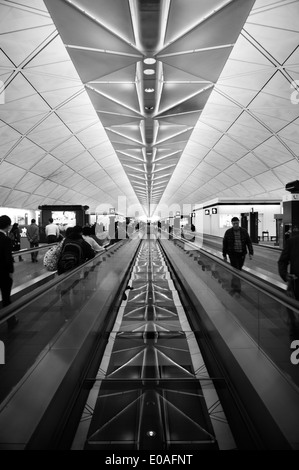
{"x":253,"y":372}
{"x":263,"y":287}
{"x":26,"y":251}
{"x":65,"y":358}
{"x":18,"y":304}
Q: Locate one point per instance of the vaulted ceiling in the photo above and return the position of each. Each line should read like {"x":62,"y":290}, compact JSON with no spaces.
{"x":147,"y":102}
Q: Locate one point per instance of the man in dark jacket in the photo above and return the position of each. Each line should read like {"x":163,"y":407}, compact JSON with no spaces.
{"x":290,"y":256}
{"x":6,"y":266}
{"x":236,"y":241}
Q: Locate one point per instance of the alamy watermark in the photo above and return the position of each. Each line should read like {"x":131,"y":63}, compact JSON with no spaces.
{"x":168,"y":216}
{"x":2,"y":92}
{"x":2,"y":353}
{"x":295,"y":93}
{"x":295,"y":354}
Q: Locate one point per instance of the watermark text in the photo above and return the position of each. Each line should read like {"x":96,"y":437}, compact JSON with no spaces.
{"x":2,"y":353}
{"x":295,"y":93}
{"x":2,"y":92}
{"x":295,"y":354}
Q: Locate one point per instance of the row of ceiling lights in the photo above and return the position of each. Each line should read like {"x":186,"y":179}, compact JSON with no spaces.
{"x":148,"y":72}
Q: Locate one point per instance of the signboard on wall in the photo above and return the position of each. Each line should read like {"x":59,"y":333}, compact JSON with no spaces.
{"x":64,"y":219}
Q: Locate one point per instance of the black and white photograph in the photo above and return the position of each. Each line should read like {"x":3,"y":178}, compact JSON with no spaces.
{"x":149,"y":229}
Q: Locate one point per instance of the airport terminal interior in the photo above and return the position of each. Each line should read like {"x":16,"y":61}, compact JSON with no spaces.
{"x":154,"y":123}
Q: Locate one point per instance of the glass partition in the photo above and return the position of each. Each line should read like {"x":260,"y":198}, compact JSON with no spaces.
{"x":270,"y":317}
{"x":44,"y":318}
{"x":28,"y":265}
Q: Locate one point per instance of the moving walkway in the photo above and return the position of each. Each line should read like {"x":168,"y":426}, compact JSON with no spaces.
{"x":175,"y":345}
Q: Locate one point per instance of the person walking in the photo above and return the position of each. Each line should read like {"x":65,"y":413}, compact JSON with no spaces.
{"x":15,"y":237}
{"x":52,"y":231}
{"x":289,"y":259}
{"x":236,"y":242}
{"x":33,"y":237}
{"x":6,"y":266}
{"x":288,"y":268}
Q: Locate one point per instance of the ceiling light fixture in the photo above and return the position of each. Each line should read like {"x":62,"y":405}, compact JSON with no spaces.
{"x":149,"y":90}
{"x":149,"y":61}
{"x":148,"y":72}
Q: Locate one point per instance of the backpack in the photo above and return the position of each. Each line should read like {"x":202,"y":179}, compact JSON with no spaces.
{"x":51,"y":257}
{"x":14,"y":241}
{"x":70,"y":257}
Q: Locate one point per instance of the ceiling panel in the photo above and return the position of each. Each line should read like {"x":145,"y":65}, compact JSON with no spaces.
{"x":77,"y":125}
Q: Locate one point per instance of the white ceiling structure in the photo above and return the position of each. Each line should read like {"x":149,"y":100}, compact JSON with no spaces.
{"x":84,"y":120}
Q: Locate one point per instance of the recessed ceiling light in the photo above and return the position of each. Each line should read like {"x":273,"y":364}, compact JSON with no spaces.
{"x":149,"y":60}
{"x":149,"y":108}
{"x":148,"y":72}
{"x":149,"y":90}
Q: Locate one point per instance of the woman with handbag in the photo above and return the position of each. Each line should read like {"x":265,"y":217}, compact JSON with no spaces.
{"x":15,"y":237}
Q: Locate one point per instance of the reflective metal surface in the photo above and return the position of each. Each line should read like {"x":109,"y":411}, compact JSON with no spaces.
{"x":152,"y":390}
